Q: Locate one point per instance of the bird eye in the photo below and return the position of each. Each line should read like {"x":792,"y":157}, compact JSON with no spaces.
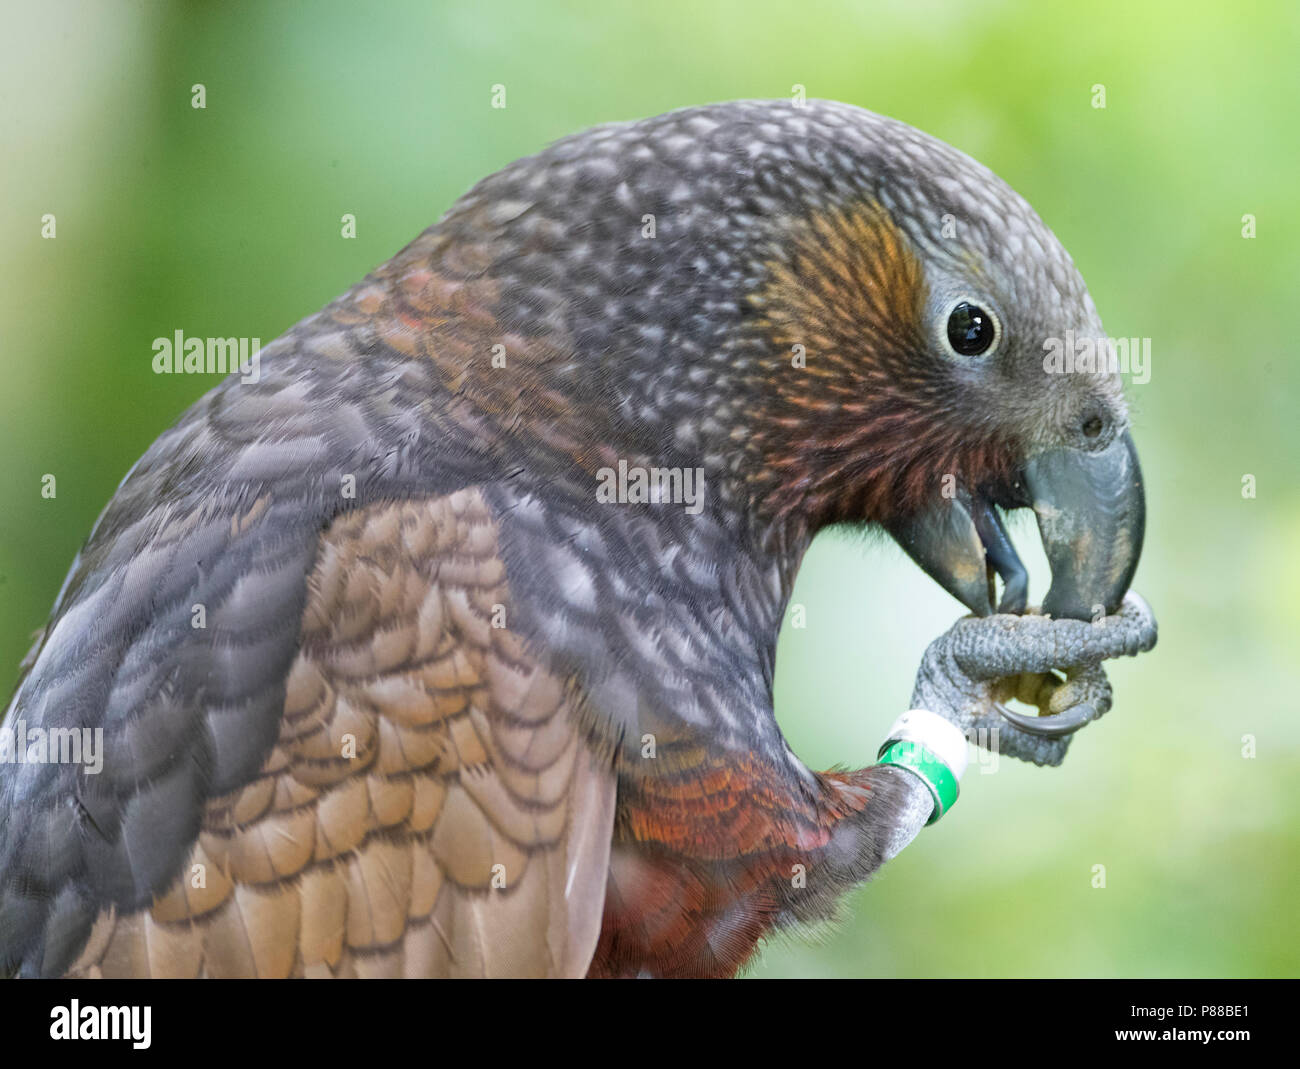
{"x":971,"y":330}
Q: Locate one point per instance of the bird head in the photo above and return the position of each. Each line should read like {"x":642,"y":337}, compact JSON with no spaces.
{"x":931,"y":314}
{"x":839,"y":317}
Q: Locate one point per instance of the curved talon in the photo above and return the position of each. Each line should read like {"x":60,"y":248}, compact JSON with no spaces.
{"x":1051,"y":727}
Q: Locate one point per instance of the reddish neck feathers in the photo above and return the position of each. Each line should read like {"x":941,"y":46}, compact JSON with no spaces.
{"x":870,"y":425}
{"x":832,"y":395}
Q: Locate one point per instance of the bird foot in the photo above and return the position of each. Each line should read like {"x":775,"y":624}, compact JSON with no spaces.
{"x":968,"y":674}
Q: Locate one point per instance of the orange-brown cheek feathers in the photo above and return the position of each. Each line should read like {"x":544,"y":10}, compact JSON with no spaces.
{"x":862,"y":420}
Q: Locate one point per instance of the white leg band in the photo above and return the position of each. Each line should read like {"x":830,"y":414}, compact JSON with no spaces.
{"x":941,"y":737}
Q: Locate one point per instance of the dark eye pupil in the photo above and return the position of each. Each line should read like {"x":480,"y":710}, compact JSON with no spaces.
{"x":970,"y":329}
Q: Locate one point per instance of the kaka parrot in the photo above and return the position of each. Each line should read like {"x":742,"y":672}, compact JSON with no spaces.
{"x":444,"y":645}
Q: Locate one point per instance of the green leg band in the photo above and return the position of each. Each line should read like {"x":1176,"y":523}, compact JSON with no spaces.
{"x":923,"y":764}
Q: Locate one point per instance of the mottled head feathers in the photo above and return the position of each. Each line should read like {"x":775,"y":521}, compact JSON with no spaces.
{"x":759,"y":290}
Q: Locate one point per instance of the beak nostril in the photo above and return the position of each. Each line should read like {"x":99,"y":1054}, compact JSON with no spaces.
{"x":1093,"y":426}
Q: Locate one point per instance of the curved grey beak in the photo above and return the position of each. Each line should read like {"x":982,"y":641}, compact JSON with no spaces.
{"x":1091,"y":514}
{"x":1092,"y":517}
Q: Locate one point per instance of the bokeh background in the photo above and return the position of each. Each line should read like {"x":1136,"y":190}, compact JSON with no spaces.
{"x":225,"y":221}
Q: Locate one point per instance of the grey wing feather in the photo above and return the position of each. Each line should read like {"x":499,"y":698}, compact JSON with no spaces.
{"x":216,"y":525}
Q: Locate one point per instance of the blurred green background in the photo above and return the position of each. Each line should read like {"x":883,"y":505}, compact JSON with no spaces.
{"x":225,"y":221}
